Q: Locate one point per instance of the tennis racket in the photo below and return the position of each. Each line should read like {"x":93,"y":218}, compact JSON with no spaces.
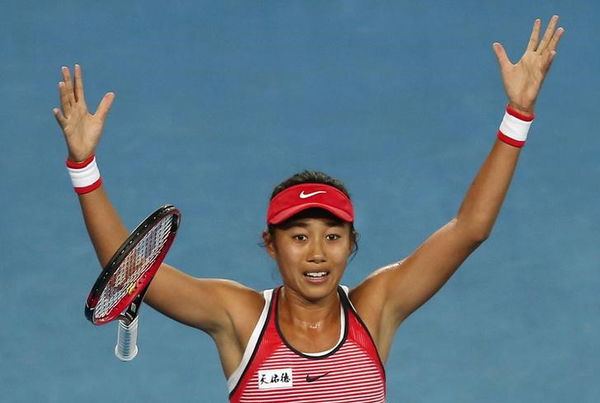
{"x":120,"y":288}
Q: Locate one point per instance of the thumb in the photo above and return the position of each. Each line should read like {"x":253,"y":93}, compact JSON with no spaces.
{"x":503,"y":59}
{"x":105,"y":104}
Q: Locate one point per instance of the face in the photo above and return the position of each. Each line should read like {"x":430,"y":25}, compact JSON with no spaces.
{"x":312,"y":253}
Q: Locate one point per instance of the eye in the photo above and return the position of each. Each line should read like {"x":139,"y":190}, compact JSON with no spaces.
{"x":332,"y":237}
{"x":300,"y":237}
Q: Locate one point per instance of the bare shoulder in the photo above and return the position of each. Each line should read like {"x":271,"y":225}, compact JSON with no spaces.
{"x":242,"y":304}
{"x":236,"y":291}
{"x":239,"y":299}
{"x":371,"y":292}
{"x":369,"y":299}
{"x":241,"y":309}
{"x":212,"y":305}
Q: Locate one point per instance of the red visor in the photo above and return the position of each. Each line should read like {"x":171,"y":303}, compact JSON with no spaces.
{"x":298,"y":198}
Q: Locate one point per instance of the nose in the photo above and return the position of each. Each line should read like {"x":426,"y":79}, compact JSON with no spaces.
{"x":317,"y":252}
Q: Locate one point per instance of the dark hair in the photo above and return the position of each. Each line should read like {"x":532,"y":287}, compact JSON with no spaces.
{"x":314,"y":177}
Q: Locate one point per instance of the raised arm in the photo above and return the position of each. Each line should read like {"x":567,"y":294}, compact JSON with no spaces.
{"x":406,"y":285}
{"x":200,"y":303}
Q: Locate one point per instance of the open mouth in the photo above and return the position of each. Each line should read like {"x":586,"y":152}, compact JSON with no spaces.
{"x":316,"y":276}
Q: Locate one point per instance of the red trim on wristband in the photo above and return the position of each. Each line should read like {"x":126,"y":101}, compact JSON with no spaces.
{"x":88,"y":189}
{"x":508,"y":140}
{"x":82,"y":164}
{"x":519,"y":115}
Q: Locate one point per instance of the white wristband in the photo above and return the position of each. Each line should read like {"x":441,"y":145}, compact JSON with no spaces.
{"x":85,"y":175}
{"x":514,"y":127}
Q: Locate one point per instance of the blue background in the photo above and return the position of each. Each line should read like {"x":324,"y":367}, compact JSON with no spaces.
{"x":217,"y":102}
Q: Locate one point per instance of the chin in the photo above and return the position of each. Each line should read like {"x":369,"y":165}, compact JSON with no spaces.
{"x":317,"y":291}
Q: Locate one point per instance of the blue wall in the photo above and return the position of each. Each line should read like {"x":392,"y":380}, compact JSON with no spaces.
{"x":219,"y":101}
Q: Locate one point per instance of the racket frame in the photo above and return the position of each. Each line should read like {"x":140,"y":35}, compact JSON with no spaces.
{"x":128,"y":307}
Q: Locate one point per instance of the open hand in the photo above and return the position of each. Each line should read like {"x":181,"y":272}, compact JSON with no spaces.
{"x":522,"y":81}
{"x":82,"y":130}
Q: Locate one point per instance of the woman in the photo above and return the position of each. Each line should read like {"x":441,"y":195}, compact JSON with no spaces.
{"x":312,"y":340}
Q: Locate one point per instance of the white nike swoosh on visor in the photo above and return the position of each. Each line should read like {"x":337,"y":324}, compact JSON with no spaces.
{"x":307,"y":195}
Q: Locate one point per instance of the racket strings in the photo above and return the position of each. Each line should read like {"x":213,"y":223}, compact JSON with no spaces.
{"x":137,"y":262}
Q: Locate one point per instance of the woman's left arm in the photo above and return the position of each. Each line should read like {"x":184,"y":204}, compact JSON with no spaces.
{"x":408,"y":284}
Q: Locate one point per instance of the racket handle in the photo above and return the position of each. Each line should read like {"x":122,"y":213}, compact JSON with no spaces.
{"x":126,"y":348}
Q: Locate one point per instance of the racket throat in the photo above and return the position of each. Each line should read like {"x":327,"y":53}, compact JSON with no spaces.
{"x":127,"y":318}
{"x":130,"y":314}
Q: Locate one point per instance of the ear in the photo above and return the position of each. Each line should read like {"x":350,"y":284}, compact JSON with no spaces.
{"x":354,"y":241}
{"x":269,"y":243}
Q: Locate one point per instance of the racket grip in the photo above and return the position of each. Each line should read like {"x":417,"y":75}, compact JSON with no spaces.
{"x":126,"y":348}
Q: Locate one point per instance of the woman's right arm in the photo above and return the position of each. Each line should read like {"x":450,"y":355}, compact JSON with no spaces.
{"x":202,"y":303}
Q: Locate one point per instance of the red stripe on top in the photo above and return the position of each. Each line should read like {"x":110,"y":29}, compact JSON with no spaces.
{"x":519,"y":115}
{"x":81,"y":164}
{"x":351,"y":372}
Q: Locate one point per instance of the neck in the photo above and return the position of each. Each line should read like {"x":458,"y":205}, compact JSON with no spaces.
{"x":309,"y":315}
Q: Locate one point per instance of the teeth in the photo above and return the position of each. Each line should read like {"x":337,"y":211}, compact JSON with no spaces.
{"x":317,"y":274}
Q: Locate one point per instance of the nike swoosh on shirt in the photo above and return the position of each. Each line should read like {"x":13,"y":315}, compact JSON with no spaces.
{"x":307,"y":195}
{"x":314,"y":378}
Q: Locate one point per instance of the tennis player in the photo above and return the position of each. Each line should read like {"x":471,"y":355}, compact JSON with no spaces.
{"x":312,"y":340}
